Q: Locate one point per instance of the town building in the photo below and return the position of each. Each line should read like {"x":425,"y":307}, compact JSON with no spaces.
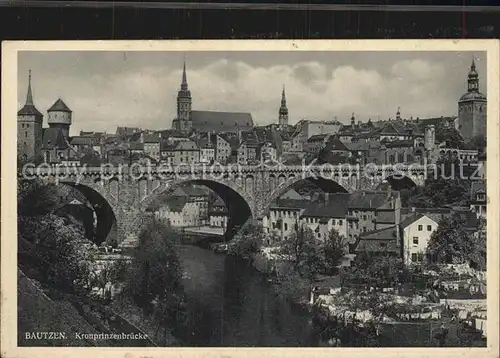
{"x":379,"y":242}
{"x":416,"y":232}
{"x":218,"y":214}
{"x":327,"y":212}
{"x":478,"y":198}
{"x":180,"y":152}
{"x":285,"y":215}
{"x":372,"y":210}
{"x":179,"y":212}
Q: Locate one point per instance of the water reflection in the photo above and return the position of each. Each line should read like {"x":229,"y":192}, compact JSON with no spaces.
{"x":229,"y":304}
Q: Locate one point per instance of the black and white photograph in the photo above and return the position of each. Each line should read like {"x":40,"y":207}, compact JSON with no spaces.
{"x":252,"y":198}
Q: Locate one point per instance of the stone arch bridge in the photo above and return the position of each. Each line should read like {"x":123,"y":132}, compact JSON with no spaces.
{"x":122,"y":196}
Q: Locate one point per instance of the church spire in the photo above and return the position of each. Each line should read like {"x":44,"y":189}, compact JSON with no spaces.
{"x":29,"y":95}
{"x":283,"y":97}
{"x":473,"y":78}
{"x":283,"y":112}
{"x":184,"y":84}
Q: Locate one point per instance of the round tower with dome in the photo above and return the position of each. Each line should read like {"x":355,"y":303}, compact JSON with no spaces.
{"x":472,"y":108}
{"x":60,"y":117}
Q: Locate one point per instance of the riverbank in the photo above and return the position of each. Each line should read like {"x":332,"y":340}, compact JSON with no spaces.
{"x":411,"y":320}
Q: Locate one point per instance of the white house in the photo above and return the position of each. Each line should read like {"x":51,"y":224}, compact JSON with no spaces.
{"x":416,"y":233}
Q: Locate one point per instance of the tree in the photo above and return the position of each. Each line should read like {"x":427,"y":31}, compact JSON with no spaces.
{"x":59,"y":253}
{"x":441,"y":191}
{"x":304,"y":252}
{"x":35,"y":197}
{"x":334,"y":248}
{"x":154,"y":279}
{"x":380,"y":271}
{"x":451,"y":243}
{"x":249,"y":240}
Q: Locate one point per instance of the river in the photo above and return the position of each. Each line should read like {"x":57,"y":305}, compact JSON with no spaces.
{"x":231,"y":305}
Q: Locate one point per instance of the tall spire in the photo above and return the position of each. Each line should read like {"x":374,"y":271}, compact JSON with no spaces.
{"x":184,"y":84}
{"x":29,"y":96}
{"x":283,"y":111}
{"x":473,"y":78}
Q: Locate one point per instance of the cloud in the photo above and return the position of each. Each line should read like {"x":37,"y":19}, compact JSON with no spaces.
{"x":134,"y":94}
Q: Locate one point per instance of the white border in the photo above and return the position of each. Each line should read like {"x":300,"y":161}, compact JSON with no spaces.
{"x":9,"y":195}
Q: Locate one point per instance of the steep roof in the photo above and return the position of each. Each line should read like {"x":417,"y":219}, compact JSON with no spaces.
{"x":383,"y":240}
{"x":291,"y":194}
{"x":317,"y":138}
{"x":187,"y":145}
{"x":386,"y":217}
{"x":208,"y":121}
{"x":136,"y":146}
{"x":296,"y":204}
{"x":477,"y":187}
{"x":407,"y":143}
{"x":390,"y":129}
{"x":328,"y":205}
{"x":176,"y":203}
{"x":153,"y":137}
{"x":367,"y":199}
{"x":411,"y":219}
{"x":59,"y":106}
{"x":334,"y":143}
{"x":29,"y":110}
{"x":81,"y":140}
{"x":194,"y":191}
{"x":121,"y":131}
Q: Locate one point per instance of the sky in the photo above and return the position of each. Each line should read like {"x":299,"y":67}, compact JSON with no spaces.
{"x":106,"y":89}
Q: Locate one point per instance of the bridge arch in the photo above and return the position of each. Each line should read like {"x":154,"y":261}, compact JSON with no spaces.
{"x":399,"y":182}
{"x":106,"y":225}
{"x":240,"y":206}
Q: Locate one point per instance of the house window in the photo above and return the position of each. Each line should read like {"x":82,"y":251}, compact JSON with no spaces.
{"x":364,"y":228}
{"x":414,"y":257}
{"x":415,"y":240}
{"x":286,"y":226}
{"x":319,"y":235}
{"x":25,"y":134}
{"x":340,"y":222}
{"x":364,"y":217}
{"x":429,"y":228}
{"x":420,"y":227}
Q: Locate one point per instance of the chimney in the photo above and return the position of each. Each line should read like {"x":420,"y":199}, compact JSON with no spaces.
{"x":327,"y":198}
{"x":412,"y":209}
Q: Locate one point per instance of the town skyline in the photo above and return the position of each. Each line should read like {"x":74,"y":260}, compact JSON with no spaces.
{"x":109,"y":89}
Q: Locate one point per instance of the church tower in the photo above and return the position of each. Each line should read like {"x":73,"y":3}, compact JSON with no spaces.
{"x":29,"y":128}
{"x":184,"y":122}
{"x":283,"y":112}
{"x":472,"y":108}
